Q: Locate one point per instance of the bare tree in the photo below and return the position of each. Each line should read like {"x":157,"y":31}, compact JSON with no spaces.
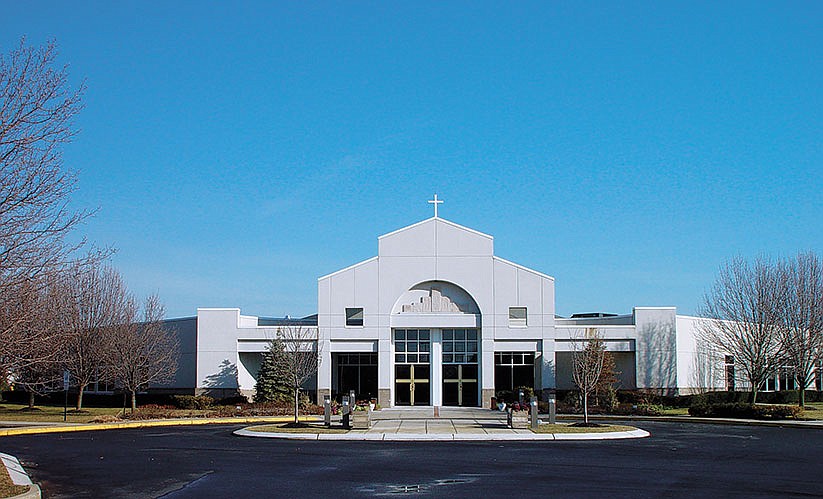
{"x":38,"y":378}
{"x":36,"y":366}
{"x":588,"y":359}
{"x":19,"y":307}
{"x":37,"y":110}
{"x":296,"y":355}
{"x":742,"y":318}
{"x":801,"y":317}
{"x":141,"y":352}
{"x":96,"y":301}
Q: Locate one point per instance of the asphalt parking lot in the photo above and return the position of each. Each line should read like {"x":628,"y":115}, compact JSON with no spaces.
{"x":678,"y":460}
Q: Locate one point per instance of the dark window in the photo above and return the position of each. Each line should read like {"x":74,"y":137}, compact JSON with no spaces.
{"x":730,"y":373}
{"x":354,"y":316}
{"x":411,"y":346}
{"x":513,"y":369}
{"x":358,"y":372}
{"x":460,"y":345}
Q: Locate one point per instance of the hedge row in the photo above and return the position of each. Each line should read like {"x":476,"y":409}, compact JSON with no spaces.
{"x":746,"y":411}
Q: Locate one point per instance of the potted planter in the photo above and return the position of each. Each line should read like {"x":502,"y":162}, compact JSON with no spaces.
{"x":361,"y":418}
{"x":518,"y":419}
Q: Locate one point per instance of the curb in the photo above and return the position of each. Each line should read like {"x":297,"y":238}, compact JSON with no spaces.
{"x":445,"y":437}
{"x":147,"y":424}
{"x":783,"y":423}
{"x":19,"y":477}
{"x":56,"y":428}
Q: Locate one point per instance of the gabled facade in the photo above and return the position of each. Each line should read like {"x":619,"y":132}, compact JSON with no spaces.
{"x":434,"y":287}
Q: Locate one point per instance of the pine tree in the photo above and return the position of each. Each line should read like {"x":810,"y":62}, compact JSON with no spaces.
{"x":271,"y":385}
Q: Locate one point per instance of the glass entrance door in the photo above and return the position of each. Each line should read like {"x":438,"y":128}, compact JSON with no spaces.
{"x":412,"y":384}
{"x":412,"y":368}
{"x":460,"y":371}
{"x":460,"y":384}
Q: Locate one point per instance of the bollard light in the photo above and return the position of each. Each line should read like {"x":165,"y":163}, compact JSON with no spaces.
{"x":346,"y":413}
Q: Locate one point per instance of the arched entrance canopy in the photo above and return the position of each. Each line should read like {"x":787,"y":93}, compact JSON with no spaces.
{"x":436,"y":297}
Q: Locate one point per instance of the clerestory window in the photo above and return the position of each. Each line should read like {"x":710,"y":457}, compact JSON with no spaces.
{"x":354,"y":316}
{"x":517,"y":316}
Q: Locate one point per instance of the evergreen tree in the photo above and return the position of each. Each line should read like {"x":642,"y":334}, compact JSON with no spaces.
{"x":271,"y":385}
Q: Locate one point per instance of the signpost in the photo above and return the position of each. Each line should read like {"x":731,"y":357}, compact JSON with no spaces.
{"x":66,"y":379}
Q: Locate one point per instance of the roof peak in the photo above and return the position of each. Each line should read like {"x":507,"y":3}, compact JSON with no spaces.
{"x":436,"y":219}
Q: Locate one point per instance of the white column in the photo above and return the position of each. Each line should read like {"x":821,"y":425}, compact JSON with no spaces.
{"x":324,"y":370}
{"x":436,"y":366}
{"x":385,"y":369}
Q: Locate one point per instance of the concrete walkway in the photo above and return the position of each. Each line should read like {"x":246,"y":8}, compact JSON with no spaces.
{"x":19,"y":476}
{"x":441,"y":424}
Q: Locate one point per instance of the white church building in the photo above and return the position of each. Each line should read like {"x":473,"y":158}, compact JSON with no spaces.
{"x":437,"y":319}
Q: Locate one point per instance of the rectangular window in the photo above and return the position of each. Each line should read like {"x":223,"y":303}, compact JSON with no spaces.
{"x":517,"y":316}
{"x":513,"y":370}
{"x":354,"y":317}
{"x":730,"y":375}
{"x":460,"y":346}
{"x":411,"y":346}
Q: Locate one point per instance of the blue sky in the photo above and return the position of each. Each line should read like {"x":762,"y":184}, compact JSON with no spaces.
{"x":238,"y":152}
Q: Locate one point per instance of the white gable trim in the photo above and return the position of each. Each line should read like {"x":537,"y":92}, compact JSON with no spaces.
{"x":503,"y":260}
{"x":437,"y":219}
{"x":347,"y":268}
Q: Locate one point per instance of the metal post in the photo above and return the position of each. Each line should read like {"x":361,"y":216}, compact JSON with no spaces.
{"x":327,"y":410}
{"x":552,"y":408}
{"x":346,"y":411}
{"x":520,"y":398}
{"x":533,"y":414}
{"x":66,"y":380}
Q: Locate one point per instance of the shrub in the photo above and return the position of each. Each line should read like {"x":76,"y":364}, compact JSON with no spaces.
{"x":235,"y":400}
{"x":607,"y":399}
{"x":639,"y":410}
{"x":512,"y":396}
{"x":528,"y":392}
{"x":192,"y":402}
{"x":152,"y":411}
{"x":745,"y":411}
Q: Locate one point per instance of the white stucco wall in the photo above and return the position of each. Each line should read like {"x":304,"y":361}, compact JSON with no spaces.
{"x":656,"y":348}
{"x":228,"y":348}
{"x":460,"y":263}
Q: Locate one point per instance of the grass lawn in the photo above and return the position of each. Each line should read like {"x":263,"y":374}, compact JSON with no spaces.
{"x":290,"y":428}
{"x":51,"y":414}
{"x":814,"y":411}
{"x":568,"y":428}
{"x":676,"y":411}
{"x":8,"y":489}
